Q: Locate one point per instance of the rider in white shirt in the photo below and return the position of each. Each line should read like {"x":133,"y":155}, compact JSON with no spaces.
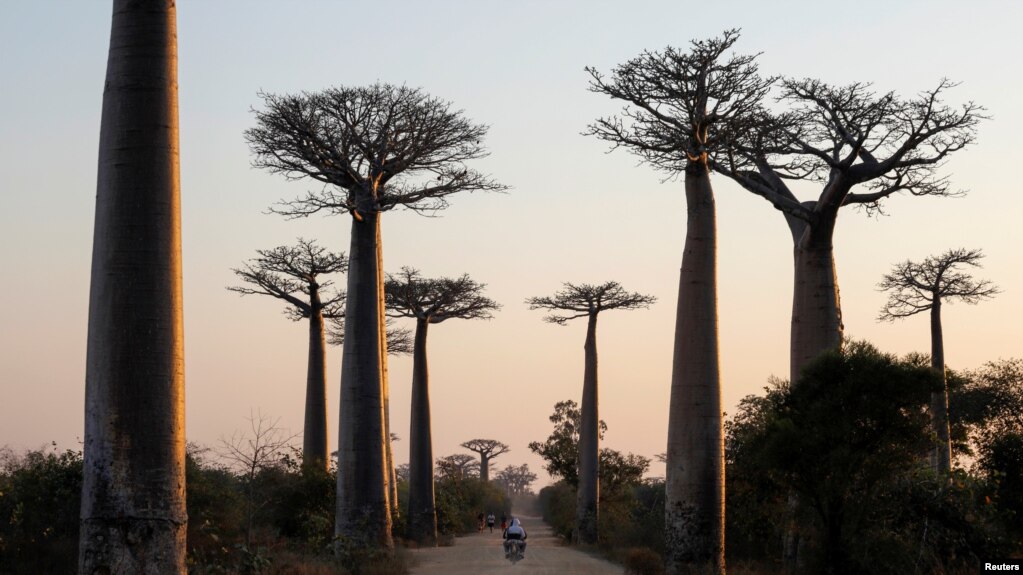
{"x":514,"y":534}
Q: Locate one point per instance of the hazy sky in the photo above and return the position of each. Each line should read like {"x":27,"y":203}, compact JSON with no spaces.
{"x":575,"y":213}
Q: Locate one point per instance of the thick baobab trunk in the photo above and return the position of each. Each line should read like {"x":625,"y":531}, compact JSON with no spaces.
{"x":133,"y":517}
{"x":422,"y":515}
{"x":942,"y":459}
{"x":363,"y":508}
{"x":484,"y":467}
{"x":392,"y":474}
{"x":587,"y":509}
{"x":816,"y":306}
{"x":314,"y":438}
{"x":695,"y":482}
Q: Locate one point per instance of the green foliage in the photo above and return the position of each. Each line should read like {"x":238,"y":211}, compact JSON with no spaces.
{"x":561,"y":449}
{"x":459,"y":500}
{"x":40,"y":497}
{"x":557,"y":505}
{"x":848,"y":440}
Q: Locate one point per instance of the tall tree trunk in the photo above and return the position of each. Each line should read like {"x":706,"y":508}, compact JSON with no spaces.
{"x":484,"y":467}
{"x":816,"y":306}
{"x":587,"y":506}
{"x":314,"y":438}
{"x":363,"y":510}
{"x":939,"y":399}
{"x":133,"y":517}
{"x":695,"y":482}
{"x":392,"y":475}
{"x":422,"y":515}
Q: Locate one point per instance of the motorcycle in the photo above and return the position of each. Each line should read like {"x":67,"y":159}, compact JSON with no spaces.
{"x":514,"y":550}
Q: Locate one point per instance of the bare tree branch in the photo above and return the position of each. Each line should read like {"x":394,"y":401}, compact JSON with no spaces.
{"x":584,"y":299}
{"x":408,"y":294}
{"x":917,"y":286}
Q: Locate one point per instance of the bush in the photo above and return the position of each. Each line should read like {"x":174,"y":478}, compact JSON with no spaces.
{"x":40,"y":497}
{"x":643,"y":561}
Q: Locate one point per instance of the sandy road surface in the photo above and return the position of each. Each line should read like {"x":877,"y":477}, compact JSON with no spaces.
{"x":481,"y":553}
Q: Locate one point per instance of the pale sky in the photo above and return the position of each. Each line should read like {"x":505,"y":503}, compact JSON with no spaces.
{"x":575,"y":213}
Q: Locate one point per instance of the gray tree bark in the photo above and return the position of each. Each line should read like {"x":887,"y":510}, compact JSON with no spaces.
{"x":422,"y":514}
{"x":695,"y":480}
{"x":363,"y":498}
{"x":942,"y":459}
{"x":816,"y":306}
{"x":133,"y":516}
{"x":587,"y":504}
{"x":314,"y":437}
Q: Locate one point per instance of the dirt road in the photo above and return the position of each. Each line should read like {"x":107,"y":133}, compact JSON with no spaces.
{"x":482,"y":553}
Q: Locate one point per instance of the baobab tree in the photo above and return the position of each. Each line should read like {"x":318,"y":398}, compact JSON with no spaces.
{"x":842,"y":137}
{"x":683,"y":107}
{"x":373,"y":148}
{"x":133,"y":517}
{"x":516,"y":479}
{"x":585,"y":300}
{"x":488,"y":449}
{"x":457,"y":466}
{"x":916,"y":287}
{"x":428,"y":301}
{"x":293,"y":274}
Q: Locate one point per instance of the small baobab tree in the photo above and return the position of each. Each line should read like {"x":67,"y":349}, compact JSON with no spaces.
{"x":585,"y":300}
{"x":374,"y":148}
{"x":294,"y":274}
{"x":133,"y":517}
{"x":684,"y":107}
{"x":916,"y":287}
{"x":516,"y":478}
{"x":488,"y":449}
{"x":457,"y":466}
{"x":428,"y":301}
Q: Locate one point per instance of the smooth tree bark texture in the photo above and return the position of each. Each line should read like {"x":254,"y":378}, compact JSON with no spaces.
{"x":428,"y":301}
{"x":374,"y":148}
{"x":917,"y":287}
{"x":487,"y":449}
{"x":683,"y":109}
{"x":575,"y":301}
{"x":293,"y":274}
{"x":133,"y":517}
{"x":841,"y":138}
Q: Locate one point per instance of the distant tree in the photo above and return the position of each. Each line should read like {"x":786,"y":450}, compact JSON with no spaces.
{"x":457,"y":466}
{"x":428,"y":301}
{"x":133,"y":517}
{"x":516,"y":479}
{"x":293,"y":274}
{"x":684,"y":107}
{"x":924,"y":286}
{"x":561,"y":449}
{"x":585,"y":300}
{"x":487,"y":449}
{"x":374,"y":148}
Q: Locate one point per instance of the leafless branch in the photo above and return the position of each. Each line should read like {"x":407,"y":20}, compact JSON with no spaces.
{"x":584,"y":299}
{"x":917,"y":286}
{"x":408,"y":294}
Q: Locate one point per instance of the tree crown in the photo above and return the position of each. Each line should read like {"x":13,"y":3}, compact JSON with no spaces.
{"x":918,"y":286}
{"x":285,"y":271}
{"x":584,"y":300}
{"x":375,"y":147}
{"x":408,"y":294}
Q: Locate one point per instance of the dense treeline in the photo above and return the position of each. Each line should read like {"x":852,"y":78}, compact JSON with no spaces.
{"x":277,"y":519}
{"x":843,"y":456}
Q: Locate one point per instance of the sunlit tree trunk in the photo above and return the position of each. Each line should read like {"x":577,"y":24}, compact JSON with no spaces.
{"x":422,"y":515}
{"x":695,"y":503}
{"x":133,"y":517}
{"x":939,"y":399}
{"x":587,"y":505}
{"x":314,"y":438}
{"x":363,"y":509}
{"x":389,"y":470}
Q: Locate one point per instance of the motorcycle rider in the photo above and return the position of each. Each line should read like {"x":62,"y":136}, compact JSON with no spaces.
{"x":514,"y":535}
